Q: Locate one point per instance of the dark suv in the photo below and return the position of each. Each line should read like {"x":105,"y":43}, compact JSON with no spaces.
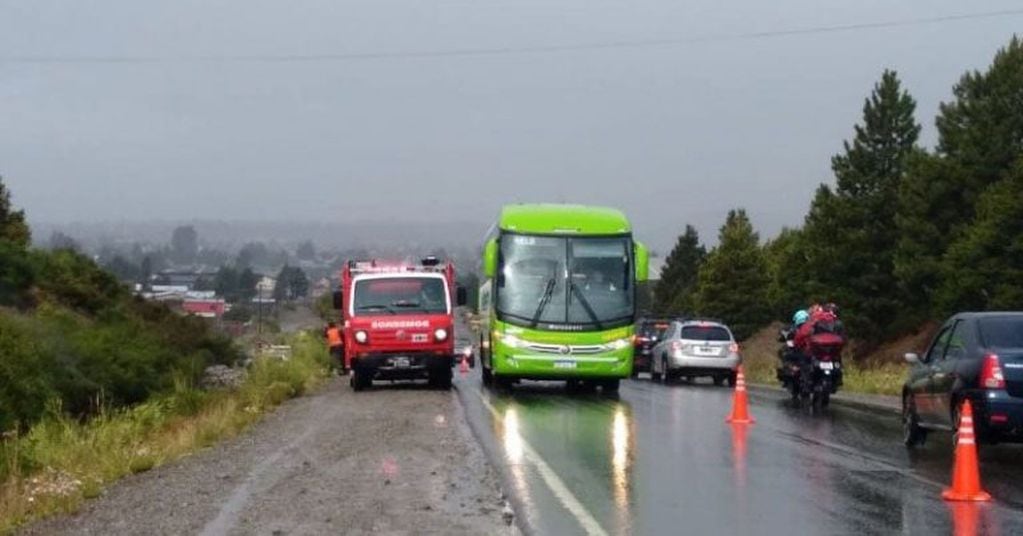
{"x":648,"y":332}
{"x":975,"y":356}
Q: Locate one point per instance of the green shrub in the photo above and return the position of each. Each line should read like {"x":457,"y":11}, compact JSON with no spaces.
{"x":89,"y":343}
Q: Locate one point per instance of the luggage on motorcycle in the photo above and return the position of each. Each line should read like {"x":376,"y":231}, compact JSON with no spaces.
{"x":827,"y":340}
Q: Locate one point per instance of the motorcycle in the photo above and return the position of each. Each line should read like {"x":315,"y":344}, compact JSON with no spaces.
{"x":816,"y":376}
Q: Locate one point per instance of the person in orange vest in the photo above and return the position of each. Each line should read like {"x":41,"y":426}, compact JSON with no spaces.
{"x":337,"y":348}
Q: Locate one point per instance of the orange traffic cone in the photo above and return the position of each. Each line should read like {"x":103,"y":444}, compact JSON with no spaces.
{"x":740,"y":411}
{"x":464,"y":367}
{"x":966,"y":473}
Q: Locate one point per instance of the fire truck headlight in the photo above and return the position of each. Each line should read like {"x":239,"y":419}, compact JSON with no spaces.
{"x":361,"y":337}
{"x":441,"y":334}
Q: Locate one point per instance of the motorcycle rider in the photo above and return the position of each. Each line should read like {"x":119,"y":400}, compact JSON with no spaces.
{"x":791,"y":353}
{"x":820,"y":319}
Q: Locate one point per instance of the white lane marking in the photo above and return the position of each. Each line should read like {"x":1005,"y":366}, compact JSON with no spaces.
{"x":556,"y":485}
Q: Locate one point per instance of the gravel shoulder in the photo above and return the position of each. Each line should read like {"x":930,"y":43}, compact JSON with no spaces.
{"x":394,"y":460}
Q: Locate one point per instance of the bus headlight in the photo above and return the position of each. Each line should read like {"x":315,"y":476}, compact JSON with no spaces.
{"x":619,"y":344}
{"x":361,"y":337}
{"x":511,"y":341}
{"x":440,"y":334}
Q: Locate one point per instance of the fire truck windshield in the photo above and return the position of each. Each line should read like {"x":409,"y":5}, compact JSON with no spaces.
{"x":397,"y":295}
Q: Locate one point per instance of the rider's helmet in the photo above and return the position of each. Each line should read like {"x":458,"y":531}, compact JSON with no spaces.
{"x":831,"y":308}
{"x":800,"y":317}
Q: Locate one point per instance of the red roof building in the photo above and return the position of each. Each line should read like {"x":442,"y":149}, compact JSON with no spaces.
{"x":204,"y":308}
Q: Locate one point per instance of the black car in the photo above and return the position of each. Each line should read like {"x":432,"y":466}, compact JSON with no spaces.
{"x":975,"y":356}
{"x":648,"y":332}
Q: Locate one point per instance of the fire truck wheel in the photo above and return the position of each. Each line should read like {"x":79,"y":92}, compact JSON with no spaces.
{"x":440,"y":377}
{"x":360,"y":381}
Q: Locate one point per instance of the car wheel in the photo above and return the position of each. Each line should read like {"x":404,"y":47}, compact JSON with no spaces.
{"x":719,"y":380}
{"x":956,"y":422}
{"x":731,"y":379}
{"x":654,"y":375}
{"x":912,"y":434}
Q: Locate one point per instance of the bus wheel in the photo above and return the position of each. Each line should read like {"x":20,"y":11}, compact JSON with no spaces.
{"x":504,"y":383}
{"x":487,"y":375}
{"x":610,"y":386}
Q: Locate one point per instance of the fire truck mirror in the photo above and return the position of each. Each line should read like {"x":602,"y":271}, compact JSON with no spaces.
{"x":461,"y":296}
{"x":338,"y":302}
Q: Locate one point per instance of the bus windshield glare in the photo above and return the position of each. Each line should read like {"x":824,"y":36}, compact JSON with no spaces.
{"x":576,"y":281}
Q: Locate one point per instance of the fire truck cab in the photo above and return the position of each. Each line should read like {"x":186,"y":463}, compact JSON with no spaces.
{"x":398,"y":320}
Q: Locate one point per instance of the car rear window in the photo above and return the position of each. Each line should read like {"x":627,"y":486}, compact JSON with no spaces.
{"x":652,"y":329}
{"x":1002,"y":332}
{"x":705,"y":333}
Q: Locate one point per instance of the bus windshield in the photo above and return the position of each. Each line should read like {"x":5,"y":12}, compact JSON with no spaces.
{"x":584,"y":282}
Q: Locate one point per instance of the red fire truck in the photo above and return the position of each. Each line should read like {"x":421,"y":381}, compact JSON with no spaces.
{"x":398,"y":320}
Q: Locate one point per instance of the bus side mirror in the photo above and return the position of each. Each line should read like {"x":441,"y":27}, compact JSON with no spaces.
{"x":642,"y":256}
{"x":461,"y":296}
{"x":338,"y":301}
{"x":490,"y":258}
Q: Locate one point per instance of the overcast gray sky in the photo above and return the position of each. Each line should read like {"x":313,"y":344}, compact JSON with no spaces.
{"x":191,"y":110}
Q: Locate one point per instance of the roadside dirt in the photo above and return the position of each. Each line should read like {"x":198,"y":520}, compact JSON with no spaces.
{"x":395,"y":460}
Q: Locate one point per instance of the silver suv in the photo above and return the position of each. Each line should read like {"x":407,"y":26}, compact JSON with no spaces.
{"x":692,"y":348}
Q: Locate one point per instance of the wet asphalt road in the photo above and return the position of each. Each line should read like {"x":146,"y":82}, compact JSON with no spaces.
{"x":659,"y":459}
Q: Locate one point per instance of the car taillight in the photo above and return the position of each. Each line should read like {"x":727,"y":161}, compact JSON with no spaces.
{"x":676,"y":346}
{"x":991,"y":376}
{"x":733,"y":348}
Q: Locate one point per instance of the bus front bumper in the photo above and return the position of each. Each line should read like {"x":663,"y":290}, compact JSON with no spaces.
{"x":563,"y":367}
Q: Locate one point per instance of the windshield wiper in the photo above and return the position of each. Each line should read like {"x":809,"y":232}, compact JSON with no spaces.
{"x":376,"y":306}
{"x":548,"y":292}
{"x":586,"y":305}
{"x":404,"y":303}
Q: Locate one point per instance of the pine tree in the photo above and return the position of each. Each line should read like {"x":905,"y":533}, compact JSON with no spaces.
{"x":12,"y":222}
{"x":733,"y":281}
{"x":673,"y":293}
{"x":980,"y":139}
{"x":984,"y":268}
{"x":851,"y":231}
{"x":787,"y":268}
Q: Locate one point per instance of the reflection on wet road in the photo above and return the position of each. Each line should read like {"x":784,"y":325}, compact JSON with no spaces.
{"x":659,"y":459}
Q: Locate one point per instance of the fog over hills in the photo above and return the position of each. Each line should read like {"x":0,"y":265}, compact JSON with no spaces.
{"x":386,"y":235}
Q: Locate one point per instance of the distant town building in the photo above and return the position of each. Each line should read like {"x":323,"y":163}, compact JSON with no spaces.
{"x":266,"y":286}
{"x":208,"y":308}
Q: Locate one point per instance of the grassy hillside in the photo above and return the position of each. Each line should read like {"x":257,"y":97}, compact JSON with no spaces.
{"x":881,"y":371}
{"x":74,"y":341}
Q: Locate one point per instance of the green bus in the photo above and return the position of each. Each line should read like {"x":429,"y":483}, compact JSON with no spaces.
{"x":558,"y":301}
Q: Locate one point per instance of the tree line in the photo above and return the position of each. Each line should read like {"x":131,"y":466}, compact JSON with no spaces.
{"x":903,"y":235}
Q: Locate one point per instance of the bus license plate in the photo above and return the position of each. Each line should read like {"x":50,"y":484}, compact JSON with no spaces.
{"x":564,"y":364}
{"x":400,"y":362}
